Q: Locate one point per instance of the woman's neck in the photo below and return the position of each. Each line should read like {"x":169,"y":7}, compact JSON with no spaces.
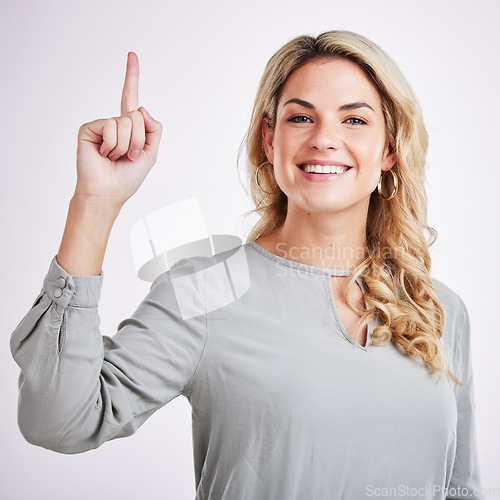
{"x":330,"y":241}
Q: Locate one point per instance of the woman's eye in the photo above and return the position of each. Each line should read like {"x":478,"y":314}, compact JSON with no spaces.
{"x":354,"y":120}
{"x":299,"y":119}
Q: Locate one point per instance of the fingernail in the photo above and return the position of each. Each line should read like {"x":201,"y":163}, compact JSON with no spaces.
{"x":134,"y":154}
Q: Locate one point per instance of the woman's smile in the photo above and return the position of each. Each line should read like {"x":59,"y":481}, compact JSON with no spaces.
{"x":321,"y":171}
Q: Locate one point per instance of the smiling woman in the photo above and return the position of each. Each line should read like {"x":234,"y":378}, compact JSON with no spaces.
{"x":339,"y":101}
{"x":320,"y":359}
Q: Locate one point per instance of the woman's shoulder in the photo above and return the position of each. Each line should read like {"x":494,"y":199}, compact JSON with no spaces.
{"x":456,"y":327}
{"x":205,"y":284}
{"x":222,"y":264}
{"x":451,"y":300}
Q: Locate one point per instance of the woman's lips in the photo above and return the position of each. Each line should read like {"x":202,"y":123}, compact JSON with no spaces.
{"x":324,"y":169}
{"x":317,"y":170}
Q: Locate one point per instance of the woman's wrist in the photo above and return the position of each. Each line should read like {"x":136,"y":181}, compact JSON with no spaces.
{"x":99,"y":206}
{"x":86,"y":235}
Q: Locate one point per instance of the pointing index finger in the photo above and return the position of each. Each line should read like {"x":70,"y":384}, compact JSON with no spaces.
{"x":130,"y":94}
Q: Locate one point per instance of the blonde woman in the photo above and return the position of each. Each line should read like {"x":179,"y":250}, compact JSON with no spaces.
{"x":320,"y":359}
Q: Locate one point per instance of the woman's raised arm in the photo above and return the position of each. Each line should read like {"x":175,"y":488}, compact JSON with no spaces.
{"x":78,"y":388}
{"x":114,"y":157}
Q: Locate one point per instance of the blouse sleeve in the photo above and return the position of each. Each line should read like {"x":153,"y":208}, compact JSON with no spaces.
{"x":77,"y":388}
{"x":465,"y":479}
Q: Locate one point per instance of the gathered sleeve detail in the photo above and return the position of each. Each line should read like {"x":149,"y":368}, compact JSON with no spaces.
{"x":79,"y":388}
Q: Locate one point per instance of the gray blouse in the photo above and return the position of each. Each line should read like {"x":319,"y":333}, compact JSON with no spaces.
{"x":285,"y":405}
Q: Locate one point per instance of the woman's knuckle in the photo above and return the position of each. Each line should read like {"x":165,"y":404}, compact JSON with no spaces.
{"x":124,"y":122}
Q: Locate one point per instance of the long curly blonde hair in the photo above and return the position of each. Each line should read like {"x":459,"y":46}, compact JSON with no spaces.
{"x":400,"y":294}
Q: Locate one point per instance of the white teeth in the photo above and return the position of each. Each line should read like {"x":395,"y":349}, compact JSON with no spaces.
{"x":323,"y":169}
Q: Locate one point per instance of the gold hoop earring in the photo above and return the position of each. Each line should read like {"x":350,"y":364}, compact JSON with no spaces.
{"x":394,"y":188}
{"x":257,"y":177}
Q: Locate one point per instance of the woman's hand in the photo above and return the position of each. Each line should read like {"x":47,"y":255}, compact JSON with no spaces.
{"x":115,"y":155}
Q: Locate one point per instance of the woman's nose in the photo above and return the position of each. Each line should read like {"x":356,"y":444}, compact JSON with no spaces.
{"x":325,"y":136}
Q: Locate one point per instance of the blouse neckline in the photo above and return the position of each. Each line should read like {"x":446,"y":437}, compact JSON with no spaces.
{"x":297,"y":265}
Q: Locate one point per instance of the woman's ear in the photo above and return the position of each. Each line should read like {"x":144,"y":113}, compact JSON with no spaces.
{"x":389,"y":159}
{"x":268,"y":138}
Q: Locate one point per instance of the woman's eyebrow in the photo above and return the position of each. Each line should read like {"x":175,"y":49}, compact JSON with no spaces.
{"x":344,"y":107}
{"x":300,"y":102}
{"x":355,"y":105}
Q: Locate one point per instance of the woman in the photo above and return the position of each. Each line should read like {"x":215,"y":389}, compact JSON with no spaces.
{"x":320,"y":359}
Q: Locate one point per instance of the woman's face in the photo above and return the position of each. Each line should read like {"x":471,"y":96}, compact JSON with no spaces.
{"x":329,"y":143}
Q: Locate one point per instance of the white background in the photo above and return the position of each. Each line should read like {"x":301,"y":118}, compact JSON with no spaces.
{"x":62,"y":64}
